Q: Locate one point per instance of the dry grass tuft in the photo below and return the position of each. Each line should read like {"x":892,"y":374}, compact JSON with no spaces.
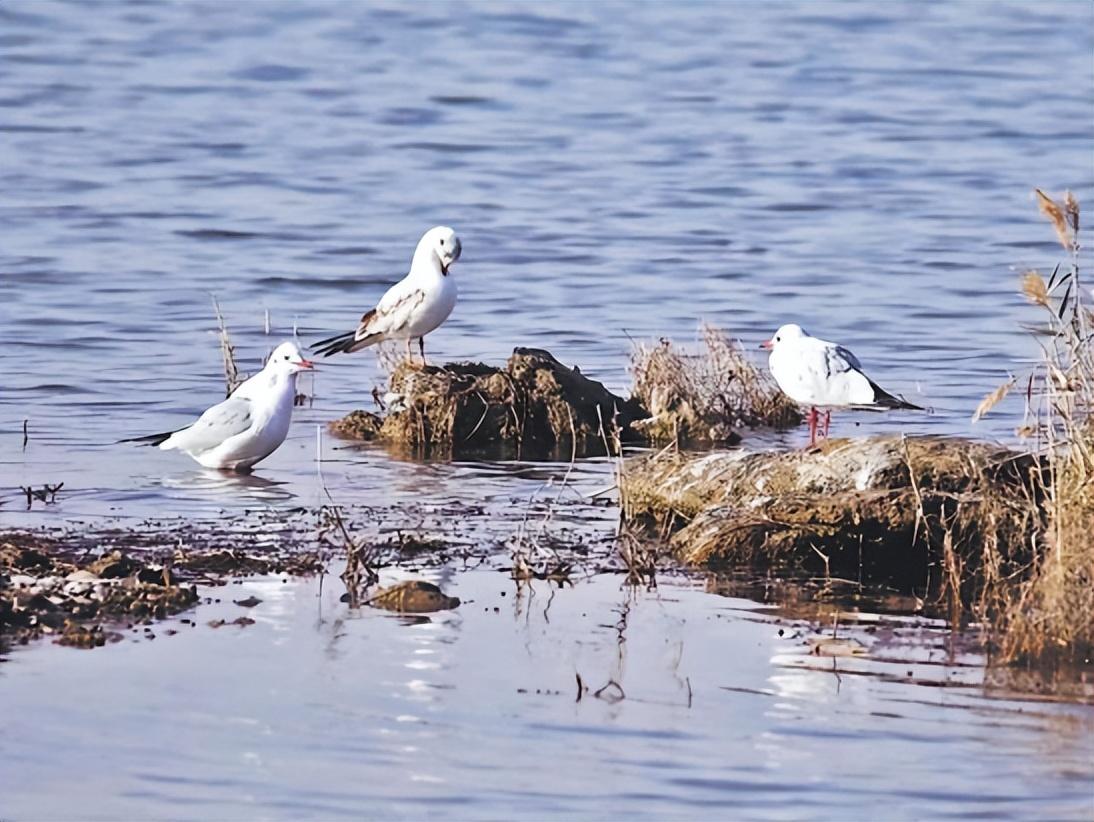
{"x":1035,"y":288}
{"x":703,"y":395}
{"x":992,"y":400}
{"x":1059,"y":217}
{"x":232,"y":378}
{"x":1052,"y":610}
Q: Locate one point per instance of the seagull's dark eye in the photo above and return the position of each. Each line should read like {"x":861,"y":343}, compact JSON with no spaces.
{"x":442,"y":242}
{"x":286,"y":358}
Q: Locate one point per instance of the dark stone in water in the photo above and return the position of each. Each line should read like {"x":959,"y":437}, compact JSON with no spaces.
{"x":413,"y":597}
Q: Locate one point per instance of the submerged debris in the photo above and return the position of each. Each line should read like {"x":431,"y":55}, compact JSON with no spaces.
{"x":48,"y":589}
{"x":836,"y":646}
{"x":41,"y":594}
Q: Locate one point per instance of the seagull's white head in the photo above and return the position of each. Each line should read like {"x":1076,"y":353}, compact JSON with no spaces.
{"x":438,"y":248}
{"x":790,"y":331}
{"x":286,"y":359}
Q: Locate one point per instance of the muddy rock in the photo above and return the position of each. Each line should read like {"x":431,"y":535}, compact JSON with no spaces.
{"x":413,"y":597}
{"x":23,"y":558}
{"x":358,"y":425}
{"x":880,"y":507}
{"x":534,"y":405}
{"x":114,"y":565}
{"x":76,"y":635}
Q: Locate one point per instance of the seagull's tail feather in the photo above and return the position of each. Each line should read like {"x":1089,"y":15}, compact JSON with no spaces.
{"x":151,"y":439}
{"x":333,"y":345}
{"x":883,"y":399}
{"x":345,"y":343}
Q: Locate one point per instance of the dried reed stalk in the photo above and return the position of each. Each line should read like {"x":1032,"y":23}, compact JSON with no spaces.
{"x":1052,"y":610}
{"x":232,"y":377}
{"x":717,"y":385}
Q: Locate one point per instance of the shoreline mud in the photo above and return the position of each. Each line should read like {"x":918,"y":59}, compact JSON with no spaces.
{"x":50,"y":587}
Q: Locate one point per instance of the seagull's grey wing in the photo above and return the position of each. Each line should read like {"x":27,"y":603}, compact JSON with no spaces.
{"x":219,"y":423}
{"x":838,"y":360}
{"x":846,"y":382}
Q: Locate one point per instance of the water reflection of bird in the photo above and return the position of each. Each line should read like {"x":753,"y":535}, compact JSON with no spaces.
{"x":236,"y":484}
{"x":414,"y":306}
{"x":247,"y":427}
{"x":816,"y":372}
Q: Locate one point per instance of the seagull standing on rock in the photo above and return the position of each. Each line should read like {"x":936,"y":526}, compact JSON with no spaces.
{"x":816,"y":372}
{"x":414,"y":306}
{"x":248,"y":426}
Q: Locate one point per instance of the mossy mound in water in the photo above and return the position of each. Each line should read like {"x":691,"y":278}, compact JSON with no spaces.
{"x":905,"y":511}
{"x":533,"y":405}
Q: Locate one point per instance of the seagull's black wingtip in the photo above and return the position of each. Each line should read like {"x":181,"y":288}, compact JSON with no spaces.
{"x":333,"y":345}
{"x":149,"y":439}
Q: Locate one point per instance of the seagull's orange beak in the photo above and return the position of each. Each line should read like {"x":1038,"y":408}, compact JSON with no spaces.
{"x":767,"y":345}
{"x":306,"y":364}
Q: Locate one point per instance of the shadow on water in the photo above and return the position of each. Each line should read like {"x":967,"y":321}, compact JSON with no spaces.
{"x":235,"y":487}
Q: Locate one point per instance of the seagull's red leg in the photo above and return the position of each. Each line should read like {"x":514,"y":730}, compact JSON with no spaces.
{"x":409,"y":356}
{"x":812,"y":426}
{"x":421,"y":348}
{"x":827,"y":421}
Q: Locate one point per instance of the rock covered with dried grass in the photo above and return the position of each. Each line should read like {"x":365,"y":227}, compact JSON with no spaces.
{"x":924,"y":513}
{"x":534,"y":405}
{"x":699,"y":397}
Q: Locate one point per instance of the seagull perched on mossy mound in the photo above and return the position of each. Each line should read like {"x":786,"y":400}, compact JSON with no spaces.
{"x":818,"y":373}
{"x":414,"y":306}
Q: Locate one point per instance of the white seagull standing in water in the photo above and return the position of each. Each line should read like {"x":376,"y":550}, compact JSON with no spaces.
{"x":248,"y":426}
{"x":414,"y":306}
{"x":816,"y":372}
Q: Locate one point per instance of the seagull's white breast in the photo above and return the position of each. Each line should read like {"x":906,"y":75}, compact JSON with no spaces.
{"x":440,"y":299}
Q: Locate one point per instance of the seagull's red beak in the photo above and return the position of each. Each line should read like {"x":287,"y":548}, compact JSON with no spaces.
{"x":767,"y":345}
{"x":306,"y":364}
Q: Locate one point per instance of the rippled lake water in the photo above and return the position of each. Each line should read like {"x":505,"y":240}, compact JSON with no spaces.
{"x":616,"y":172}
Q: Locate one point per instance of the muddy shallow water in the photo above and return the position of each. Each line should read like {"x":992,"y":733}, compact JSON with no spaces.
{"x":317,"y":711}
{"x":613,"y":176}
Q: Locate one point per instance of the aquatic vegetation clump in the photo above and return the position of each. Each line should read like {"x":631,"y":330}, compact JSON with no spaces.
{"x":533,"y":406}
{"x":696,"y":397}
{"x":1052,"y":610}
